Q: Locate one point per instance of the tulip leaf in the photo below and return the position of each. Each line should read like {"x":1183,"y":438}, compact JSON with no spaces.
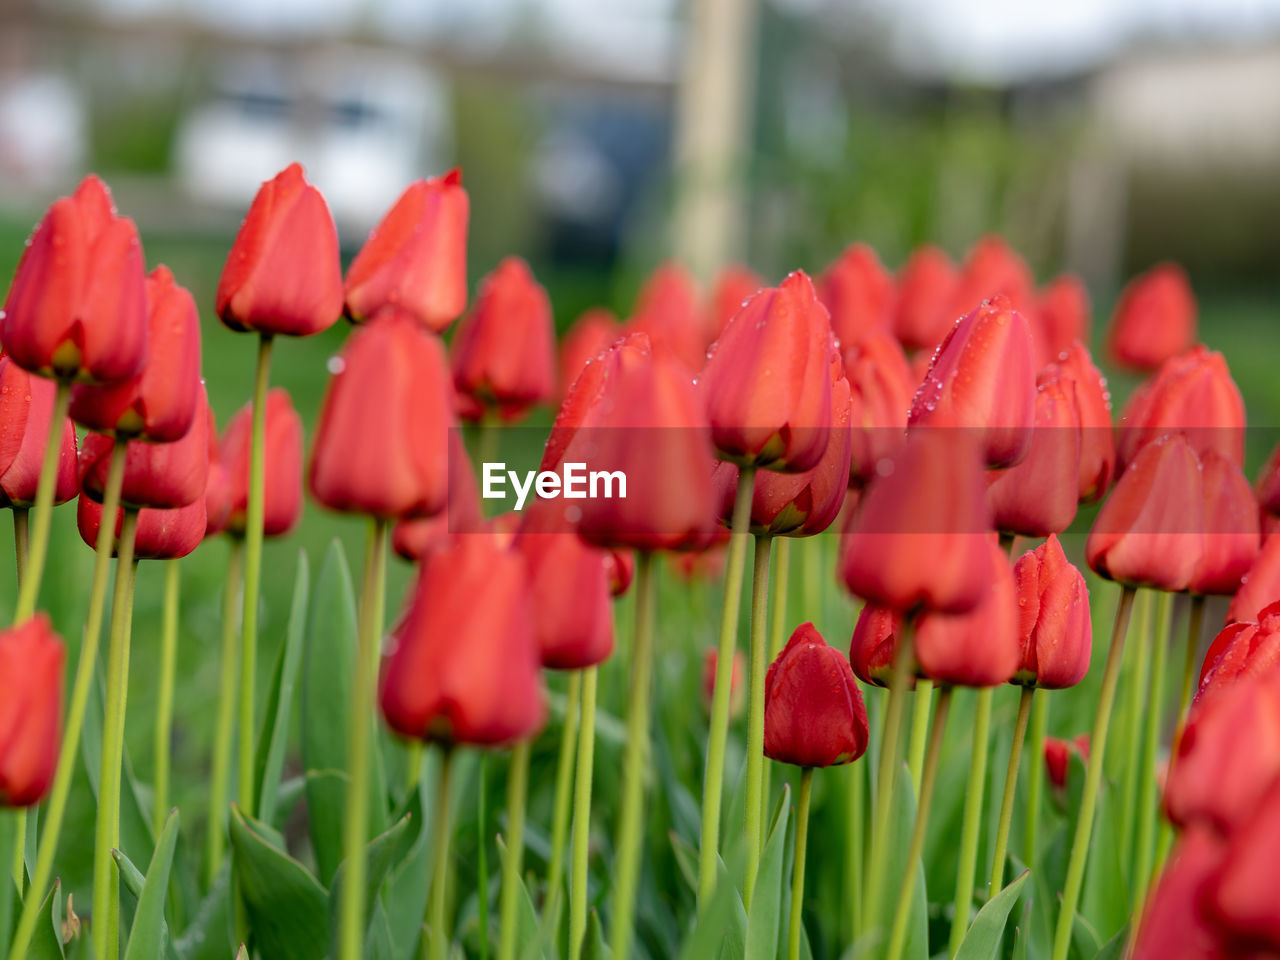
{"x":1105,"y":898}
{"x":46,"y":944}
{"x":719,"y":928}
{"x":986,"y":935}
{"x":1114,"y":948}
{"x":381,"y":853}
{"x":207,"y":937}
{"x":148,"y":936}
{"x":686,"y":859}
{"x":288,"y":908}
{"x":766,"y":903}
{"x":9,"y":907}
{"x":242,"y":953}
{"x":902,"y":822}
{"x":593,"y":945}
{"x":274,"y":736}
{"x":133,"y":881}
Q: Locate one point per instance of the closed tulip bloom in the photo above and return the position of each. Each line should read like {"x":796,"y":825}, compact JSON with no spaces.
{"x":734,"y":286}
{"x":412,"y":538}
{"x":1062,"y":317}
{"x":160,"y":535}
{"x":1231,"y":538}
{"x":1154,"y":319}
{"x":464,"y":664}
{"x":767,"y":383}
{"x":1053,"y":618}
{"x":1150,"y":531}
{"x":1093,"y":409}
{"x":881,"y":387}
{"x":668,"y":312}
{"x":281,"y":465}
{"x":920,"y":313}
{"x":858,"y":292}
{"x":1038,"y":496}
{"x":26,"y":406}
{"x":1057,"y":758}
{"x":1260,"y":586}
{"x":983,"y":378}
{"x":504,"y":350}
{"x":77,"y":309}
{"x":620,"y":566}
{"x":1240,"y":650}
{"x":993,"y":269}
{"x":159,"y":403}
{"x":737,"y":687}
{"x":217,"y":500}
{"x":416,"y":258}
{"x":282,"y":275}
{"x":1268,"y":488}
{"x":591,"y":335}
{"x":381,"y":443}
{"x":919,"y":539}
{"x":813,"y":712}
{"x":1242,"y":897}
{"x":31,"y":657}
{"x":1176,"y":924}
{"x":874,"y":644}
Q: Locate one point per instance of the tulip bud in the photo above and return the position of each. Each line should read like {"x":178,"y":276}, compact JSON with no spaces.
{"x":26,"y":407}
{"x":283,"y":275}
{"x":1260,"y":586}
{"x":1154,"y":319}
{"x":160,"y":534}
{"x":1149,"y":532}
{"x":1038,"y":496}
{"x":217,"y":500}
{"x":1240,"y":650}
{"x":464,"y":664}
{"x":858,"y":292}
{"x":1093,"y":410}
{"x":77,"y":309}
{"x":734,"y":286}
{"x":31,"y":657}
{"x":591,"y":335}
{"x":1176,"y":924}
{"x":1231,"y":539}
{"x":668,"y":313}
{"x":813,"y":713}
{"x":874,"y":644}
{"x":1268,"y":488}
{"x":983,"y":378}
{"x":620,"y":567}
{"x":381,"y":443}
{"x":504,"y":350}
{"x":1062,"y":317}
{"x":1241,"y":897}
{"x":1057,"y":758}
{"x":281,"y":465}
{"x":925,"y":284}
{"x":159,"y":403}
{"x":993,"y":269}
{"x":416,"y":258}
{"x":881,"y":386}
{"x":1053,"y":618}
{"x":412,"y":538}
{"x":737,"y":689}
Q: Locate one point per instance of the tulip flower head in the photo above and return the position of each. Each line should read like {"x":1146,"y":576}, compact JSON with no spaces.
{"x":668,"y":312}
{"x":1154,"y":319}
{"x":881,"y":388}
{"x":412,"y":538}
{"x":993,"y":269}
{"x":31,"y":658}
{"x":733,"y":287}
{"x":1177,"y":923}
{"x":160,"y":534}
{"x":1057,"y":758}
{"x":1054,"y":625}
{"x":1241,"y":650}
{"x":737,"y":686}
{"x":591,"y":335}
{"x":26,"y":406}
{"x":924,"y":287}
{"x":1241,"y":896}
{"x":1093,"y":410}
{"x":281,"y":465}
{"x":858,"y":292}
{"x":1061,"y":317}
{"x":1231,"y":538}
{"x":1260,"y":586}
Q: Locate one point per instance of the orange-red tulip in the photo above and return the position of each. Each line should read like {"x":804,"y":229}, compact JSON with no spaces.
{"x":925,"y":284}
{"x":1057,"y":758}
{"x":1260,"y":586}
{"x":737,"y":685}
{"x":1241,"y":649}
{"x":412,"y":538}
{"x":31,"y":657}
{"x":1061,"y":317}
{"x":992,"y":269}
{"x":160,"y":534}
{"x":1242,"y":895}
{"x":281,"y":465}
{"x":1176,"y":924}
{"x":881,"y":386}
{"x":26,"y":407}
{"x":1154,"y":319}
{"x":1231,"y":538}
{"x":668,"y":312}
{"x":591,"y":335}
{"x":1268,"y":487}
{"x":1093,"y":409}
{"x":1053,"y":618}
{"x":858,"y":291}
{"x":734,"y":286}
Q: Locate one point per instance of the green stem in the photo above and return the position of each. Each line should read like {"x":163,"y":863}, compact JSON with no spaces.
{"x":253,"y":533}
{"x":1138,"y":677}
{"x":1092,"y":780}
{"x":1150,"y":751}
{"x":85,"y":668}
{"x":439,"y":936}
{"x":359,"y":727}
{"x":755,"y":714}
{"x":224,"y":731}
{"x":21,"y":540}
{"x":811,"y":576}
{"x":487,"y":438}
{"x":517,"y":798}
{"x":777,"y":626}
{"x":106,"y":889}
{"x":414,"y":754}
{"x":631,"y":823}
{"x":919,"y":729}
{"x":564,"y":790}
{"x":973,"y":806}
{"x":797,"y":875}
{"x":855,"y":850}
{"x":578,"y":894}
{"x":906,"y":892}
{"x":21,"y":548}
{"x":20,"y":849}
{"x":718,"y":734}
{"x":164,"y":700}
{"x":1035,"y":776}
{"x":482,"y":856}
{"x":1010,"y":789}
{"x":29,"y":588}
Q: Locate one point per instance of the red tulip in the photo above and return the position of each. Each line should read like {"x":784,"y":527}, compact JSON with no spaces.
{"x":412,"y":538}
{"x":766,"y":381}
{"x":1053,"y":618}
{"x":281,"y":465}
{"x":668,"y":312}
{"x":858,"y":292}
{"x":1062,"y":317}
{"x":464,"y":666}
{"x":993,"y":269}
{"x":813,"y":714}
{"x":734,"y":286}
{"x":282,"y":275}
{"x":1240,"y":650}
{"x":31,"y":657}
{"x":881,"y":385}
{"x":381,"y":443}
{"x":620,"y":566}
{"x":1241,"y":897}
{"x":217,"y":500}
{"x":1093,"y":410}
{"x":925,"y":284}
{"x":1057,"y":758}
{"x":416,"y":258}
{"x":737,"y":686}
{"x":1150,"y":530}
{"x":26,"y":406}
{"x":591,"y":335}
{"x":77,"y":309}
{"x":1175,"y":923}
{"x":1038,"y":496}
{"x":874,"y":643}
{"x":1260,"y":586}
{"x":1268,"y":488}
{"x":159,"y":403}
{"x":160,"y":535}
{"x":983,"y":379}
{"x":1231,"y":538}
{"x":1154,"y":319}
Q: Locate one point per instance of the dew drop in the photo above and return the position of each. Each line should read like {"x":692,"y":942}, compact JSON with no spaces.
{"x":336,"y":365}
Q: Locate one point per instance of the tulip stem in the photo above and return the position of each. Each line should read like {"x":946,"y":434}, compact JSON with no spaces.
{"x":797,"y":874}
{"x":1150,"y":749}
{"x":517,"y":798}
{"x":359,"y":727}
{"x":755,"y":714}
{"x":906,"y":892}
{"x":21,"y":546}
{"x":923,"y":702}
{"x":718,"y":734}
{"x":1139,"y":668}
{"x":972,"y":825}
{"x":1092,"y":779}
{"x":578,"y":893}
{"x":631,"y":824}
{"x":29,"y":588}
{"x":106,"y":881}
{"x":1035,"y":775}
{"x":560,"y":809}
{"x":255,"y":516}
{"x":164,"y":700}
{"x":215,"y":837}
{"x":885,"y":774}
{"x":777,"y":626}
{"x":855,"y":850}
{"x":1010,"y":789}
{"x":21,"y":540}
{"x":437,"y":933}
{"x":482,"y":855}
{"x":70,"y":750}
{"x":20,"y":849}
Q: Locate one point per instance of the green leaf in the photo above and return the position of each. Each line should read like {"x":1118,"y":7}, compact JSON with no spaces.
{"x":1113,"y":949}
{"x":985,"y":937}
{"x":593,"y":945}
{"x":275,"y":723}
{"x":686,"y":859}
{"x":242,"y":953}
{"x":207,"y":935}
{"x":136,"y":838}
{"x":287,"y":906}
{"x":383,"y":851}
{"x":47,"y":942}
{"x":721,"y":924}
{"x":766,"y":904}
{"x":133,"y":880}
{"x":148,"y":935}
{"x":9,"y":905}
